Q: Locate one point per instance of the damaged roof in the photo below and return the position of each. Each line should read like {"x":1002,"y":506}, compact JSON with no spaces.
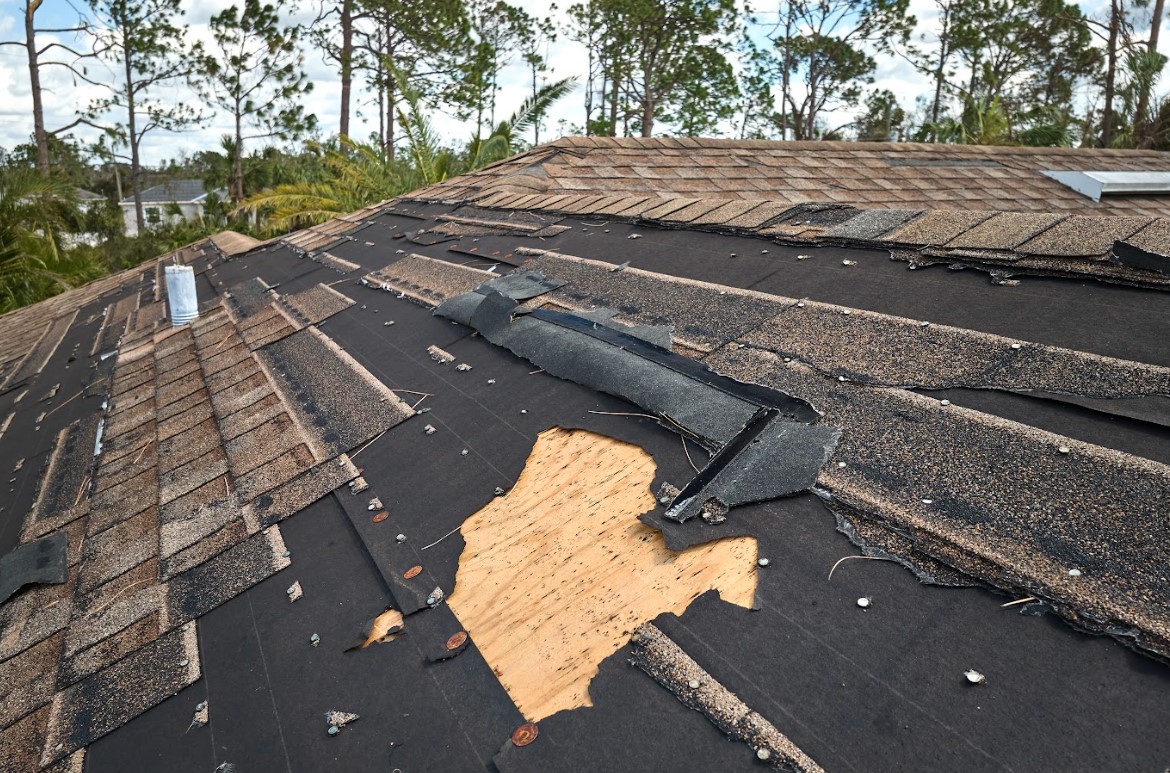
{"x":482,"y":480}
{"x":880,"y":175}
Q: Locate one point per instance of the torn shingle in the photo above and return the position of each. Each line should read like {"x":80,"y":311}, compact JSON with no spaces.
{"x":41,"y":561}
{"x":870,"y":224}
{"x":337,"y":399}
{"x":89,"y":709}
{"x":644,"y":298}
{"x":660,"y":657}
{"x":995,"y":499}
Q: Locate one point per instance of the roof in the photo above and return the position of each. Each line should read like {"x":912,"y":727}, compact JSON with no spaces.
{"x":880,"y":175}
{"x":175,"y":191}
{"x":527,"y":489}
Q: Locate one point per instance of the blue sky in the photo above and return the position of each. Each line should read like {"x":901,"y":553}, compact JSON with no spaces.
{"x":64,"y":96}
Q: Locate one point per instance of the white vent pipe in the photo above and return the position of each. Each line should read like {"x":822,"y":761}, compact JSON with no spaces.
{"x":181,"y":299}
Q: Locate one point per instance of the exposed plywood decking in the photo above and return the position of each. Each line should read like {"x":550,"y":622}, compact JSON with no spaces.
{"x":558,"y":573}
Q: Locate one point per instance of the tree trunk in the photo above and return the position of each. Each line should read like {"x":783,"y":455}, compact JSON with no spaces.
{"x":34,"y":79}
{"x":391,"y":102}
{"x":535,"y":123}
{"x":647,"y":109}
{"x":1110,"y":74}
{"x":615,"y":80}
{"x":238,"y":160}
{"x":346,"y":62}
{"x":132,"y":137}
{"x":380,"y":82}
{"x":1141,"y":115}
{"x":940,"y":73}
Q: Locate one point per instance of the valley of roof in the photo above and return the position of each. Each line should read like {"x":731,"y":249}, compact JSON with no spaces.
{"x":739,"y":380}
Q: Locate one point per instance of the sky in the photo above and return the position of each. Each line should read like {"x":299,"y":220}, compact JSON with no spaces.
{"x":65,"y":95}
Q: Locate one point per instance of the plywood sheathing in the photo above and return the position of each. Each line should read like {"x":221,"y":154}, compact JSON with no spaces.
{"x":559,"y":572}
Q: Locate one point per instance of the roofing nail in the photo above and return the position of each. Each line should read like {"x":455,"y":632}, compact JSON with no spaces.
{"x":525,"y":734}
{"x":974,"y":677}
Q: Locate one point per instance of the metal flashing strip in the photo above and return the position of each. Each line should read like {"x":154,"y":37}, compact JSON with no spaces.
{"x":1101,"y":183}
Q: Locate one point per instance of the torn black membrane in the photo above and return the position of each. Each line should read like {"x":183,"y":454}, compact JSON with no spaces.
{"x":766,"y":443}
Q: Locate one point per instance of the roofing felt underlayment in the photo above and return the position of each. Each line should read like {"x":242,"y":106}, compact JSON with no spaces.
{"x":601,"y":480}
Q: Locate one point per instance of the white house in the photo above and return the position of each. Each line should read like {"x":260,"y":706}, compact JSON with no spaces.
{"x":188,"y":195}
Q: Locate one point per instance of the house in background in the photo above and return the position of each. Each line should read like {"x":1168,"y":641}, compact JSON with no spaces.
{"x":158,"y":204}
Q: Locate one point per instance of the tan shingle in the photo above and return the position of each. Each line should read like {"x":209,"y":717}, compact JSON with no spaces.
{"x":1083,"y":236}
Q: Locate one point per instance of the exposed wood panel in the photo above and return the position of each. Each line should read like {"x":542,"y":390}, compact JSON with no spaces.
{"x":559,"y":572}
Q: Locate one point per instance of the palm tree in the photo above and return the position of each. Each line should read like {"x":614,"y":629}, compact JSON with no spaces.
{"x":503,"y":141}
{"x":358,"y":175}
{"x":35,"y":214}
